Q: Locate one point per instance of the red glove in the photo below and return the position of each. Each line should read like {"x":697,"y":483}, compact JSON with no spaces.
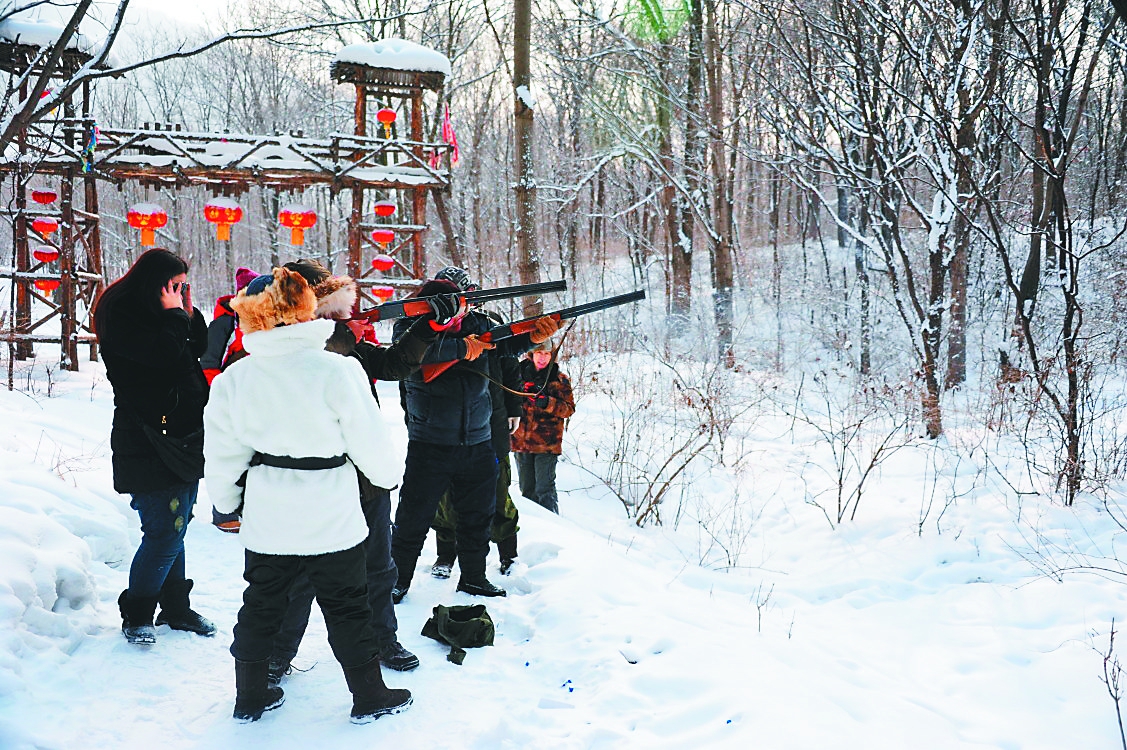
{"x":362,"y":330}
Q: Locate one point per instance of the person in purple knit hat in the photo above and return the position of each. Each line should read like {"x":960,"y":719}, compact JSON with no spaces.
{"x":224,"y":346}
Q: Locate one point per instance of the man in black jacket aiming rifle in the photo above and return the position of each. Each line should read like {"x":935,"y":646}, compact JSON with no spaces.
{"x":449,"y":441}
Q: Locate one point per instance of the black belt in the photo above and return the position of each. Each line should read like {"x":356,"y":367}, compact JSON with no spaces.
{"x":313,"y":463}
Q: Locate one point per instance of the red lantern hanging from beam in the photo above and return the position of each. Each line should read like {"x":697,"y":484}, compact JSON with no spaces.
{"x":298,"y":218}
{"x":47,"y":285}
{"x":384,"y":209}
{"x":44,"y":226}
{"x":223,"y":212}
{"x":45,"y":254}
{"x":148,"y":217}
{"x":383,"y":237}
{"x":44,"y":196}
{"x":386,"y":117}
{"x":383,"y":262}
{"x":383,"y":292}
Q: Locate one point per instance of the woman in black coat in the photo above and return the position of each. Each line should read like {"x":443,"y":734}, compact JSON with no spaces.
{"x":151,"y":339}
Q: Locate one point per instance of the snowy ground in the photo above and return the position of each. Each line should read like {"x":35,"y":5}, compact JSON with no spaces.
{"x":866,"y":636}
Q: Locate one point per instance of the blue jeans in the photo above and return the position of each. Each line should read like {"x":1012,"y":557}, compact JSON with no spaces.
{"x":164,"y":521}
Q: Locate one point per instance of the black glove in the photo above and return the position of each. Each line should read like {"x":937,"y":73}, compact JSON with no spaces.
{"x":444,"y":306}
{"x":541,"y":401}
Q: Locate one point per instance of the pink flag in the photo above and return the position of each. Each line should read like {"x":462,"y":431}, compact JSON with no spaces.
{"x":449,"y":137}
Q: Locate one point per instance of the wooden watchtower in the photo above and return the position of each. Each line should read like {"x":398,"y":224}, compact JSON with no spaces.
{"x":75,"y":149}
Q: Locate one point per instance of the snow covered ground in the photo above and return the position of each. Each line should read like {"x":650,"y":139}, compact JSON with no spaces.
{"x":870,"y":635}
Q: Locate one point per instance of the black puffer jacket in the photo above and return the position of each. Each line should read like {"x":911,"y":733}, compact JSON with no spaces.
{"x":456,"y":407}
{"x":153,"y":363}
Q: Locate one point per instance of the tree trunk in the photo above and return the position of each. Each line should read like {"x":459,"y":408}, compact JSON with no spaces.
{"x":528,"y":260}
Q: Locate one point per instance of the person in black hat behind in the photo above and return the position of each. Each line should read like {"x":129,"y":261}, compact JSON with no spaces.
{"x":449,"y":441}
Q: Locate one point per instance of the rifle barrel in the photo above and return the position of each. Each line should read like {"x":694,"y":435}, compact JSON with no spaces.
{"x":602,"y":304}
{"x":521,"y":290}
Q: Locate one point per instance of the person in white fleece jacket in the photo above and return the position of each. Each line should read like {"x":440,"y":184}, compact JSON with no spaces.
{"x":285,"y":430}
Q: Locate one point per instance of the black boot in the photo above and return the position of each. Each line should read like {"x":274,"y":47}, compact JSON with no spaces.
{"x":277,"y":669}
{"x":447,"y":553}
{"x":176,"y":612}
{"x":253,"y":694}
{"x":394,"y":656}
{"x":507,"y":549}
{"x":479,"y":587}
{"x":137,"y":618}
{"x":371,"y":699}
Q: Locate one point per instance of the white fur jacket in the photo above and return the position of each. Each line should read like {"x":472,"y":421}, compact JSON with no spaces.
{"x":290,"y":397}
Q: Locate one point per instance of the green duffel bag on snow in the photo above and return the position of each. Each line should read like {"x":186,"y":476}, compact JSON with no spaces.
{"x":460,"y":627}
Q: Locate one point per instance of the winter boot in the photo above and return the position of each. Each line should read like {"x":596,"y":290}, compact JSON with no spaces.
{"x":175,"y":611}
{"x":137,"y":618}
{"x":371,"y":699}
{"x":253,"y":693}
{"x":276,"y":670}
{"x":507,"y":549}
{"x":479,"y":587}
{"x":397,"y":593}
{"x":446,"y":555}
{"x":394,"y":656}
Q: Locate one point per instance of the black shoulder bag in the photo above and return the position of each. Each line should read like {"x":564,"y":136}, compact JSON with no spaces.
{"x":182,"y":455}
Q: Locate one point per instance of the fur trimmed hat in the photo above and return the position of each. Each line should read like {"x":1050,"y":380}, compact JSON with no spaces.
{"x":270,"y":301}
{"x":335,"y":294}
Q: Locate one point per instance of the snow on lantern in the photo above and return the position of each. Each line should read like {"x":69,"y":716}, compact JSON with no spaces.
{"x":44,"y":196}
{"x":386,"y":117}
{"x":383,"y":237}
{"x":298,"y":218}
{"x":45,"y":254}
{"x":44,"y":226}
{"x":384,"y":209}
{"x":383,"y":293}
{"x":223,"y":212}
{"x":148,"y":217}
{"x":46,"y":285}
{"x":383,"y":262}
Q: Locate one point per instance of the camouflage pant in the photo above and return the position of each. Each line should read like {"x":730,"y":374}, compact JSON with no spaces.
{"x":505,"y":516}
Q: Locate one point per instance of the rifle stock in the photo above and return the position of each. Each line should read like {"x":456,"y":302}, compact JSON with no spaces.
{"x":518,"y":327}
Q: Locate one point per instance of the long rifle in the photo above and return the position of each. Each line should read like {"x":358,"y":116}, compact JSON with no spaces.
{"x":517,"y":327}
{"x":415,"y":306}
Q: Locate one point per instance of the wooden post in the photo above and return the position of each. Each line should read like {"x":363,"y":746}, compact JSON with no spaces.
{"x":419,"y":199}
{"x":355,"y":240}
{"x":22,"y":320}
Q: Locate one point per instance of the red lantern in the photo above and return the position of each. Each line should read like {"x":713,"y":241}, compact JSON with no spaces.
{"x":44,"y":196}
{"x":148,"y":217}
{"x":385,"y":208}
{"x":298,"y":218}
{"x":383,"y":262}
{"x":45,"y":227}
{"x":383,"y":237}
{"x":46,"y":285}
{"x":223,"y":212}
{"x":383,"y":293}
{"x":386,"y":117}
{"x":45,"y":254}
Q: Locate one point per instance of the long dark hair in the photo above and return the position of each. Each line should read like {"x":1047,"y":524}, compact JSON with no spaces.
{"x":140,"y":286}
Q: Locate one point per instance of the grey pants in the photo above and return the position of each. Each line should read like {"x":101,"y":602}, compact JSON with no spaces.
{"x":537,"y":477}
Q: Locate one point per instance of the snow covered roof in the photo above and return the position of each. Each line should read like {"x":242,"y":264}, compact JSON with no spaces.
{"x":395,"y":54}
{"x":40,"y":34}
